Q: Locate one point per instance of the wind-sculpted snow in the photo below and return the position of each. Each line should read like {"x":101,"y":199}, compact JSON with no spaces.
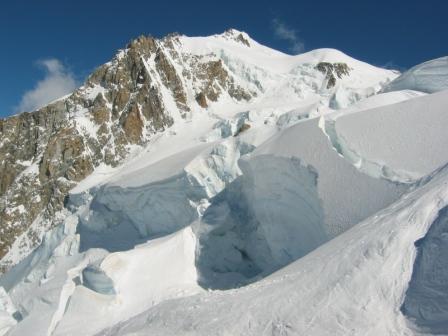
{"x":289,"y":200}
{"x":429,"y":77}
{"x":353,"y":284}
{"x":347,"y":195}
{"x":119,"y":218}
{"x":426,"y":300}
{"x":412,"y":142}
{"x":267,"y":218}
{"x":159,"y":199}
{"x":94,"y":278}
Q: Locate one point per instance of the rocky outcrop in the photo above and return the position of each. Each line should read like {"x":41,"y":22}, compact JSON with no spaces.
{"x":171,"y":80}
{"x":333,"y":70}
{"x":133,"y":124}
{"x":243,"y":40}
{"x":201,"y":100}
{"x":29,"y":143}
{"x":237,"y":36}
{"x":214,"y":78}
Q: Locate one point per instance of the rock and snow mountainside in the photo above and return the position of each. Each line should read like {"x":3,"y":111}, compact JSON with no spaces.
{"x":214,"y":186}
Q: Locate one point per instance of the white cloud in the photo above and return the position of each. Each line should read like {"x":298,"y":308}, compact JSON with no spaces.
{"x":58,"y":81}
{"x":283,"y":32}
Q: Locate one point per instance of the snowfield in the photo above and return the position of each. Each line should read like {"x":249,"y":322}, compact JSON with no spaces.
{"x":308,"y":210}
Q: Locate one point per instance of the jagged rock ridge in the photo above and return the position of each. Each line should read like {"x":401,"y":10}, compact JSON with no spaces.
{"x":331,"y":70}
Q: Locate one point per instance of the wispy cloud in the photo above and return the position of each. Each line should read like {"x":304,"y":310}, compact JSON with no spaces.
{"x":283,"y":32}
{"x":58,"y":81}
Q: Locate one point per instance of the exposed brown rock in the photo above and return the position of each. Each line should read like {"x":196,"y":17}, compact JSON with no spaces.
{"x":202,"y":100}
{"x":152,"y":108}
{"x":143,"y":44}
{"x":100,"y":112}
{"x":331,"y":70}
{"x":171,"y":79}
{"x":64,"y":156}
{"x":240,"y":38}
{"x":120,"y":100}
{"x":133,"y":125}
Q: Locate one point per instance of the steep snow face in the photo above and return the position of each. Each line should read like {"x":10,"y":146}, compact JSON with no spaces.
{"x":348,"y":195}
{"x":158,"y":198}
{"x":426,"y":300}
{"x":268,"y":217}
{"x":295,"y":193}
{"x":152,"y":201}
{"x":429,"y":77}
{"x":410,"y":129}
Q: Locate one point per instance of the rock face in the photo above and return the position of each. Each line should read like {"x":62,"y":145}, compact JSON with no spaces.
{"x":333,"y":70}
{"x":43,"y":154}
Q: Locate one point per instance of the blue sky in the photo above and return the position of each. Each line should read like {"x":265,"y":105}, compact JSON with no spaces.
{"x":48,"y":47}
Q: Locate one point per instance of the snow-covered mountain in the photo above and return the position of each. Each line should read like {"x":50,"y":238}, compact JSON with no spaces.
{"x":214,"y":186}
